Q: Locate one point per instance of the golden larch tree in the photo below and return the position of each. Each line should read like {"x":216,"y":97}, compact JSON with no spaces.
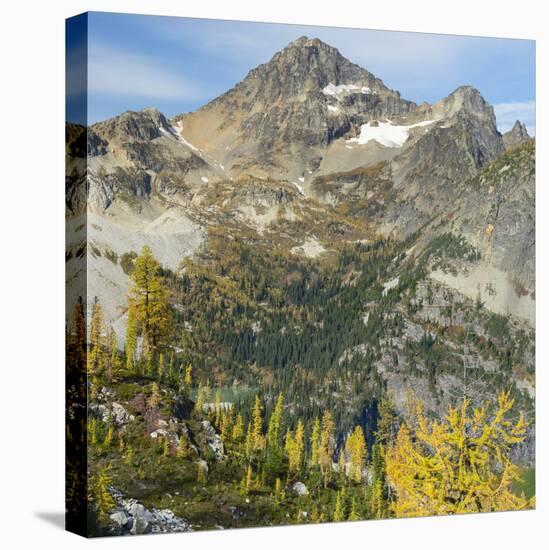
{"x":149,"y":298}
{"x":326,"y":446}
{"x":258,"y":440}
{"x":459,"y":465}
{"x":274,"y":431}
{"x":131,"y":338}
{"x":356,"y":451}
{"x":315,"y":443}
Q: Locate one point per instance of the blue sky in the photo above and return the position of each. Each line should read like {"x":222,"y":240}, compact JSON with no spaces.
{"x":179,"y":64}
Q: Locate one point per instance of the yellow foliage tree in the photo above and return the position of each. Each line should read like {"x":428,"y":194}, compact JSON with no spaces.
{"x":356,"y":450}
{"x":131,"y":338}
{"x":258,"y":440}
{"x":315,"y":443}
{"x":188,"y":375}
{"x":248,"y":442}
{"x":339,"y":509}
{"x":459,"y":465}
{"x":201,"y":471}
{"x":275,"y":423}
{"x":326,"y":446}
{"x":183,"y":447}
{"x":101,"y":496}
{"x":247,"y":482}
{"x":217,"y":408}
{"x":149,"y":298}
{"x":199,"y":405}
{"x":294,"y":447}
{"x":238,"y":428}
{"x":114,"y":361}
{"x":96,"y":359}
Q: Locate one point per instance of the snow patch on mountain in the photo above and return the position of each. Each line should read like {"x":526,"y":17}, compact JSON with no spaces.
{"x":177,"y":130}
{"x":343,"y":89}
{"x":386,"y":133}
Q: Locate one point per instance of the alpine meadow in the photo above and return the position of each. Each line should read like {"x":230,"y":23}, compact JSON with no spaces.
{"x":305,"y":300}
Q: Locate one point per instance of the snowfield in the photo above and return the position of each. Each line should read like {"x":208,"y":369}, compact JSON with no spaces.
{"x":343,"y":89}
{"x":386,"y":133}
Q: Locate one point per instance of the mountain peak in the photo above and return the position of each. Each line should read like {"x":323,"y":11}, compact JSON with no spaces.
{"x":465,"y":99}
{"x":520,"y":128}
{"x":141,"y":125}
{"x":518,"y":134}
{"x":306,"y":42}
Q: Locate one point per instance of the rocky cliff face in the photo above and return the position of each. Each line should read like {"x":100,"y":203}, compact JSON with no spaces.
{"x":463,"y":139}
{"x":496,"y":213}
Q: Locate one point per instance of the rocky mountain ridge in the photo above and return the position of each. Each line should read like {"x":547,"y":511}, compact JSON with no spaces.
{"x":307,"y":136}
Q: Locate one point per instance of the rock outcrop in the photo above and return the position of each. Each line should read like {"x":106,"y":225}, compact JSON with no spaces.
{"x":132,"y":518}
{"x":517,"y":135}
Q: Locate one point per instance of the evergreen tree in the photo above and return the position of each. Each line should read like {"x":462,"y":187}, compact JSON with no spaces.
{"x":341,"y":466}
{"x":247,"y":482}
{"x":387,"y":421}
{"x":353,"y":514}
{"x":161,"y":367}
{"x":249,"y":442}
{"x":131,"y":338}
{"x":217,"y":407}
{"x":128,"y":456}
{"x":183,"y":447}
{"x":154,"y":399}
{"x":202,"y":472}
{"x":166,"y":451}
{"x":339,"y":509}
{"x":114,"y":361}
{"x":199,"y":405}
{"x":378,"y":504}
{"x":96,"y":354}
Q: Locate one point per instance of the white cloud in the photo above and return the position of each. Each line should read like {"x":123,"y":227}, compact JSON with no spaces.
{"x":508,"y":113}
{"x":125,"y":74}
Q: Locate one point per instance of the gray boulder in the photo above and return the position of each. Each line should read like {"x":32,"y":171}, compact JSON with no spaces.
{"x":213,"y":440}
{"x":300,"y":489}
{"x":120,"y":517}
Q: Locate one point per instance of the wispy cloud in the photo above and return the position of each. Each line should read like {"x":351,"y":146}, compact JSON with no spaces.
{"x":120,"y":73}
{"x":508,"y":113}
